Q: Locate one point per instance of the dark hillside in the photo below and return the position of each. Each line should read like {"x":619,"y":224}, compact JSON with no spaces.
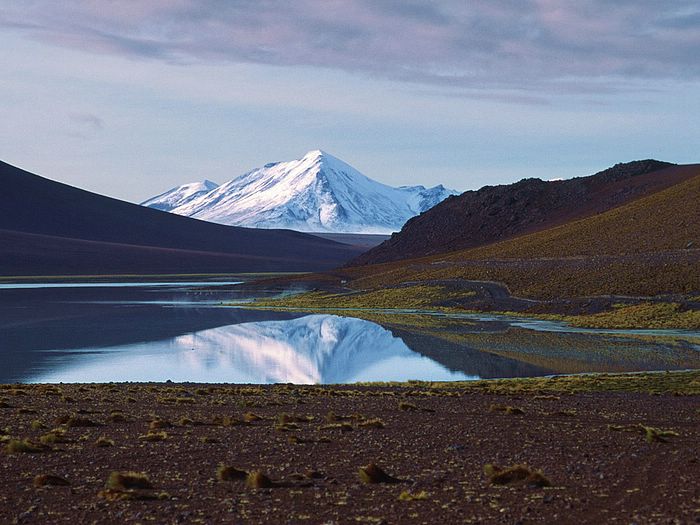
{"x":52,"y":227}
{"x":650,"y":246}
{"x":495,"y":213}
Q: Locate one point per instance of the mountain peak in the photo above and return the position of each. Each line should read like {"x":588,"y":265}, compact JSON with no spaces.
{"x":314,"y":154}
{"x":180,"y":195}
{"x":318,"y":156}
{"x":315,"y":193}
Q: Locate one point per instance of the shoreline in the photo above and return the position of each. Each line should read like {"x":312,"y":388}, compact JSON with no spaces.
{"x":490,"y":298}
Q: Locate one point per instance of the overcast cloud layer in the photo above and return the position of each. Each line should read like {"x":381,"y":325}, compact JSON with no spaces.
{"x":555,"y":45}
{"x":132,"y":97}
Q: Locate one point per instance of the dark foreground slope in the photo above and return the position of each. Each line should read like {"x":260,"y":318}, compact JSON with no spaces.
{"x":51,"y":228}
{"x":609,"y":451}
{"x":495,"y":213}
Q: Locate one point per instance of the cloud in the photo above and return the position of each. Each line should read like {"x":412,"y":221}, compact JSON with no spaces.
{"x":536,"y":46}
{"x":84,"y":125}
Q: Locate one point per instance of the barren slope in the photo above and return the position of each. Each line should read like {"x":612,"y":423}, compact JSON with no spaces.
{"x":494,"y":213}
{"x":647,"y":247}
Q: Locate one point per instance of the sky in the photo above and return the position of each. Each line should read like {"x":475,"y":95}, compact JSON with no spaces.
{"x":130,"y":98}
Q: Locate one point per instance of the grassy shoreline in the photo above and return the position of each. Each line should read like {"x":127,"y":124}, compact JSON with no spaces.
{"x":642,"y":315}
{"x":675,"y":382}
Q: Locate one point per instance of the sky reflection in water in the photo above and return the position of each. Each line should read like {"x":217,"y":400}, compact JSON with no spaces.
{"x":313,"y":349}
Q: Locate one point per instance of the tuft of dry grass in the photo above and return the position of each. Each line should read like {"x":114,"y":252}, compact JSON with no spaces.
{"x":132,"y":495}
{"x":408,"y":496}
{"x":57,"y":435}
{"x":517,"y":474}
{"x":154,"y":436}
{"x":284,"y":419}
{"x":250,"y":417}
{"x":652,"y":434}
{"x":332,"y":417}
{"x":343,"y":427}
{"x":228,"y":473}
{"x":117,"y":417}
{"x":506,"y":409}
{"x":223,"y":421}
{"x":103,"y":441}
{"x":128,"y":481}
{"x":159,"y":423}
{"x":24,"y":446}
{"x":287,"y":427}
{"x":258,"y":480}
{"x":373,"y":474}
{"x":371,"y":423}
{"x":656,"y":435}
{"x":77,"y":421}
{"x":45,"y":480}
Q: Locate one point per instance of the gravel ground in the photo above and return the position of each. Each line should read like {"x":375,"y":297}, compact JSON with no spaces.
{"x":592,"y":448}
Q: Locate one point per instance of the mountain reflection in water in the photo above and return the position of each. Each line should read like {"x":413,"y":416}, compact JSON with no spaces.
{"x":314,"y":349}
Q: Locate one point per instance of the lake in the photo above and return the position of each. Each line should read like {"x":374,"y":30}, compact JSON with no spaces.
{"x":101,"y":332}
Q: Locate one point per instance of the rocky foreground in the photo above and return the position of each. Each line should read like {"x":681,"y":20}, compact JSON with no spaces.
{"x":585,"y":449}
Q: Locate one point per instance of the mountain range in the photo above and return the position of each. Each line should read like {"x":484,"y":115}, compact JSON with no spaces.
{"x":49,"y":228}
{"x":317,"y":193}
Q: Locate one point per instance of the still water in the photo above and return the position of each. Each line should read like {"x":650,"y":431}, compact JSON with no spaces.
{"x":181,"y":332}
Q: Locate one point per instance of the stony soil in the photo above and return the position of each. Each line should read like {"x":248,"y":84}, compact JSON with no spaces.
{"x":435,"y":440}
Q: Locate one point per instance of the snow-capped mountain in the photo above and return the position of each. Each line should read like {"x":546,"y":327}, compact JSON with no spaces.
{"x":317,"y":193}
{"x":180,"y":196}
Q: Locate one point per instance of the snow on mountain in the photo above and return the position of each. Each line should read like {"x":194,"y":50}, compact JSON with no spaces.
{"x":317,"y":193}
{"x":180,"y":196}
